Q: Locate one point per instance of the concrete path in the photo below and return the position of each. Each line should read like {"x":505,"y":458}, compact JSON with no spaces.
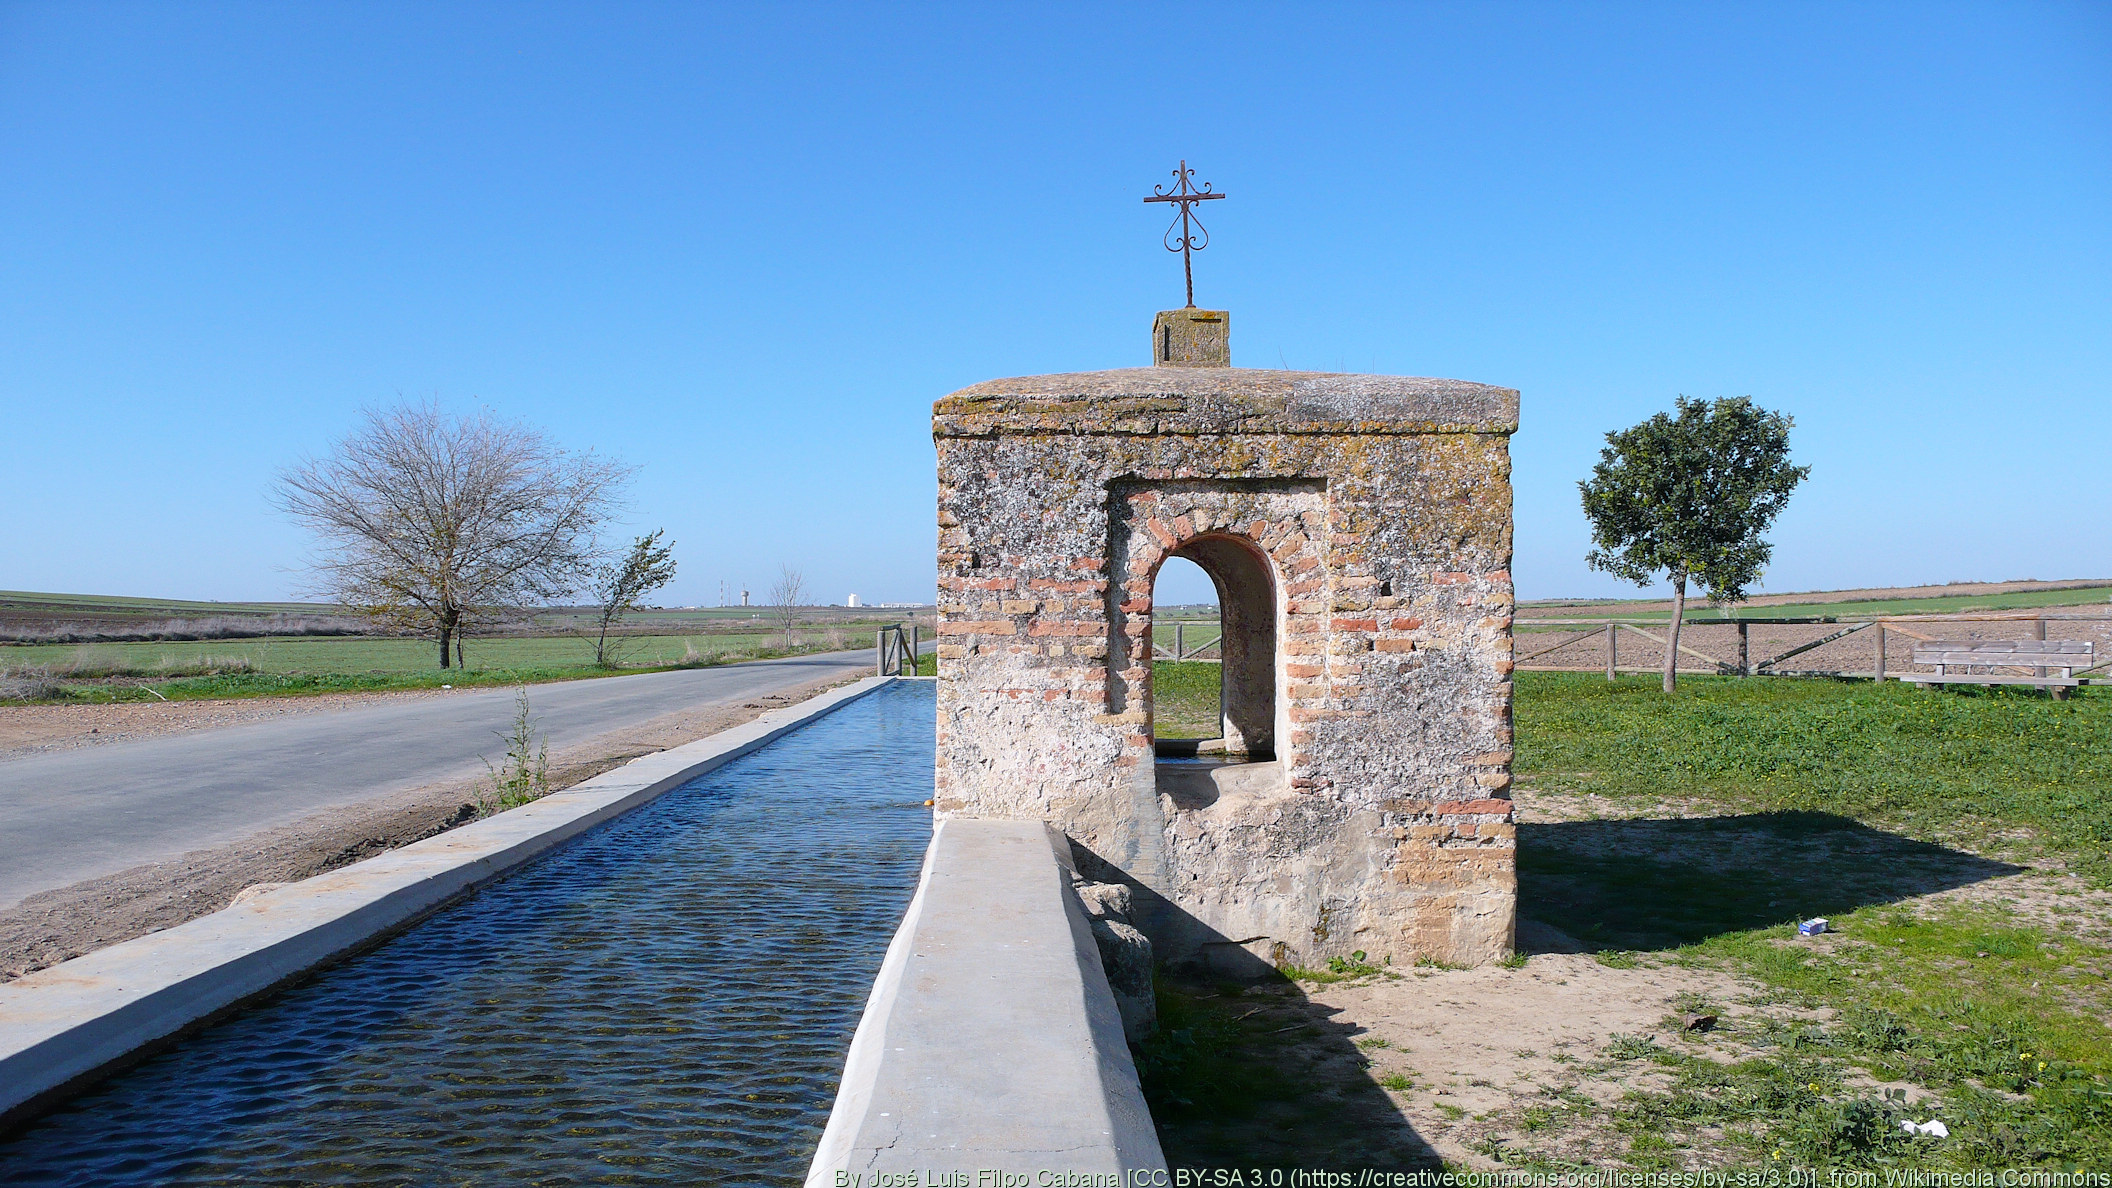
{"x":78,"y":815}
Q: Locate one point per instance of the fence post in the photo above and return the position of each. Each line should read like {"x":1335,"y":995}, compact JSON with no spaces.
{"x":916,"y":644}
{"x":1745,"y":668}
{"x":880,"y":652}
{"x":1178,"y":639}
{"x":1613,"y":647}
{"x":1880,"y":653}
{"x":2038,"y":632}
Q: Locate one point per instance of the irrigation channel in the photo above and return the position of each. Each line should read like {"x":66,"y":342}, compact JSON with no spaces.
{"x":664,"y":1000}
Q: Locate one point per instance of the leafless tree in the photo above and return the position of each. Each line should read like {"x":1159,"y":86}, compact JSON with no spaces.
{"x":430,"y":521}
{"x":785,"y":594}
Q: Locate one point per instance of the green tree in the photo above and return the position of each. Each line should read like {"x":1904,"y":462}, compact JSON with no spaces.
{"x":1689,"y":496}
{"x":645,"y":567}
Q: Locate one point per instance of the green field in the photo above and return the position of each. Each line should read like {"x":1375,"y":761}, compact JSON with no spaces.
{"x":268,"y":666}
{"x":1720,"y":815}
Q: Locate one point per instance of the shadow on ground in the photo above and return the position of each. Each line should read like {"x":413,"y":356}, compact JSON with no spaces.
{"x":1245,"y":1076}
{"x":1661,"y":884}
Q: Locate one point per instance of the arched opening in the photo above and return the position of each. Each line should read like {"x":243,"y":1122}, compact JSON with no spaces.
{"x":1187,"y":686}
{"x":1237,"y":649}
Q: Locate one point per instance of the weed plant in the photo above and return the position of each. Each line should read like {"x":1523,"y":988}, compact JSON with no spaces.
{"x":525,"y":775}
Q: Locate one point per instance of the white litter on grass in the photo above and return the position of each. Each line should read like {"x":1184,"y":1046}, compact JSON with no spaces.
{"x":1933,"y":1126}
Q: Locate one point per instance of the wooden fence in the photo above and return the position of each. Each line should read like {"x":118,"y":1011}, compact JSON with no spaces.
{"x":1877,"y":630}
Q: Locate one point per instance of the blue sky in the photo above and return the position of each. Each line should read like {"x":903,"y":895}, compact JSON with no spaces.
{"x":744,"y":247}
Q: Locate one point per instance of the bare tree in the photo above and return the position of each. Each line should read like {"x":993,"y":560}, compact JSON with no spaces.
{"x":646,"y":566}
{"x":785,"y":594}
{"x":429,"y":521}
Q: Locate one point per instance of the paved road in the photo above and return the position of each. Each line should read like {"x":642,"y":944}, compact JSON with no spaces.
{"x":82,"y":814}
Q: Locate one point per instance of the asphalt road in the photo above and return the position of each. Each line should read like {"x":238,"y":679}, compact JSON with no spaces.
{"x":77,"y":815}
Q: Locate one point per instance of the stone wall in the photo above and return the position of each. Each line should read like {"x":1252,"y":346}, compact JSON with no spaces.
{"x":1360,"y":531}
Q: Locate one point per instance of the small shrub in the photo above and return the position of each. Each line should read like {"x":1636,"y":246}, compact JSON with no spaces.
{"x":1397,"y":1082}
{"x":30,"y":684}
{"x":1514,"y":959}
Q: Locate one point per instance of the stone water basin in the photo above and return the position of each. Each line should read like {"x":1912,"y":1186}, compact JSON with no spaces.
{"x":664,"y":1000}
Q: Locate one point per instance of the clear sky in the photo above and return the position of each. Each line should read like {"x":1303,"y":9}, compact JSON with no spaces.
{"x":744,"y":247}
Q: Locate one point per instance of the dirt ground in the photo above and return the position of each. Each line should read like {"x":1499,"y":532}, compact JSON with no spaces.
{"x":53,"y":926}
{"x":1471,"y":1066}
{"x":31,"y":729}
{"x":1872,"y":594}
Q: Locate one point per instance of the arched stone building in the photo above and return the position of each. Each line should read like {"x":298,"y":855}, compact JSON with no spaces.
{"x":1358,"y":529}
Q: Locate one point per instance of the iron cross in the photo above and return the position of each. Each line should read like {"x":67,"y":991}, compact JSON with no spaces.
{"x":1188,"y":225}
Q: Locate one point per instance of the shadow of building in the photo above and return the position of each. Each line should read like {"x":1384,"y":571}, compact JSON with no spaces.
{"x":1658,"y":884}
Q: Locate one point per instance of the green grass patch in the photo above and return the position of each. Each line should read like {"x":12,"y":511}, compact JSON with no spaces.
{"x":1186,"y":699}
{"x":300,"y":666}
{"x":1198,"y":1063}
{"x":1958,"y":765}
{"x":1853,"y":802}
{"x":1261,"y":1077}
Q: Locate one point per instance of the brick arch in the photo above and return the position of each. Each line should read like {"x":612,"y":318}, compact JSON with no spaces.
{"x":1262,"y":544}
{"x":1248,"y":596}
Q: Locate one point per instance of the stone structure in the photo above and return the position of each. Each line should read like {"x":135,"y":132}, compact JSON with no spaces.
{"x":1192,"y":338}
{"x":1358,"y":529}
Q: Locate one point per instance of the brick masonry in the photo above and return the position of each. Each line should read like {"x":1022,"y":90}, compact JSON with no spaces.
{"x":1359,"y":528}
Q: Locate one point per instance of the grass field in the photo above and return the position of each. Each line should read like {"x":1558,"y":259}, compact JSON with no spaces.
{"x":106,"y":672}
{"x":1855,"y":802}
{"x":1698,"y":827}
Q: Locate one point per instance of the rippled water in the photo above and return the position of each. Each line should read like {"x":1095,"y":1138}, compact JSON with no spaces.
{"x":665,"y":1000}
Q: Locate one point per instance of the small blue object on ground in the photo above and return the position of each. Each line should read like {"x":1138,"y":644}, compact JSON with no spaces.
{"x":1812,"y":927}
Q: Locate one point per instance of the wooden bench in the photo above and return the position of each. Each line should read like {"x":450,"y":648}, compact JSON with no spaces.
{"x":2041,"y":655}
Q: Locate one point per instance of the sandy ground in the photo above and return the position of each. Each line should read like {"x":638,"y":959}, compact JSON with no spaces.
{"x":1463,"y":1065}
{"x":55,"y":925}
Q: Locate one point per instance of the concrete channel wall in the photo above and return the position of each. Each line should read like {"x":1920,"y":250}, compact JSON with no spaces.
{"x":63,"y":1027}
{"x":991,"y":1042}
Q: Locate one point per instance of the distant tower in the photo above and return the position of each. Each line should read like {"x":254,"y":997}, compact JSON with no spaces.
{"x":851,"y":601}
{"x":744,"y":598}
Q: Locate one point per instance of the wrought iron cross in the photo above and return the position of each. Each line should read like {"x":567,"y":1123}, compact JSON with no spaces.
{"x":1186,"y":196}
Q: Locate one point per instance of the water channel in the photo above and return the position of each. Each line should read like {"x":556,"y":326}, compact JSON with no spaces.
{"x":665,"y":1000}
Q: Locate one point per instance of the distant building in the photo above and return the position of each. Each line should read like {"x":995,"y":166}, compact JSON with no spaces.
{"x":744,"y":598}
{"x":851,"y":601}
